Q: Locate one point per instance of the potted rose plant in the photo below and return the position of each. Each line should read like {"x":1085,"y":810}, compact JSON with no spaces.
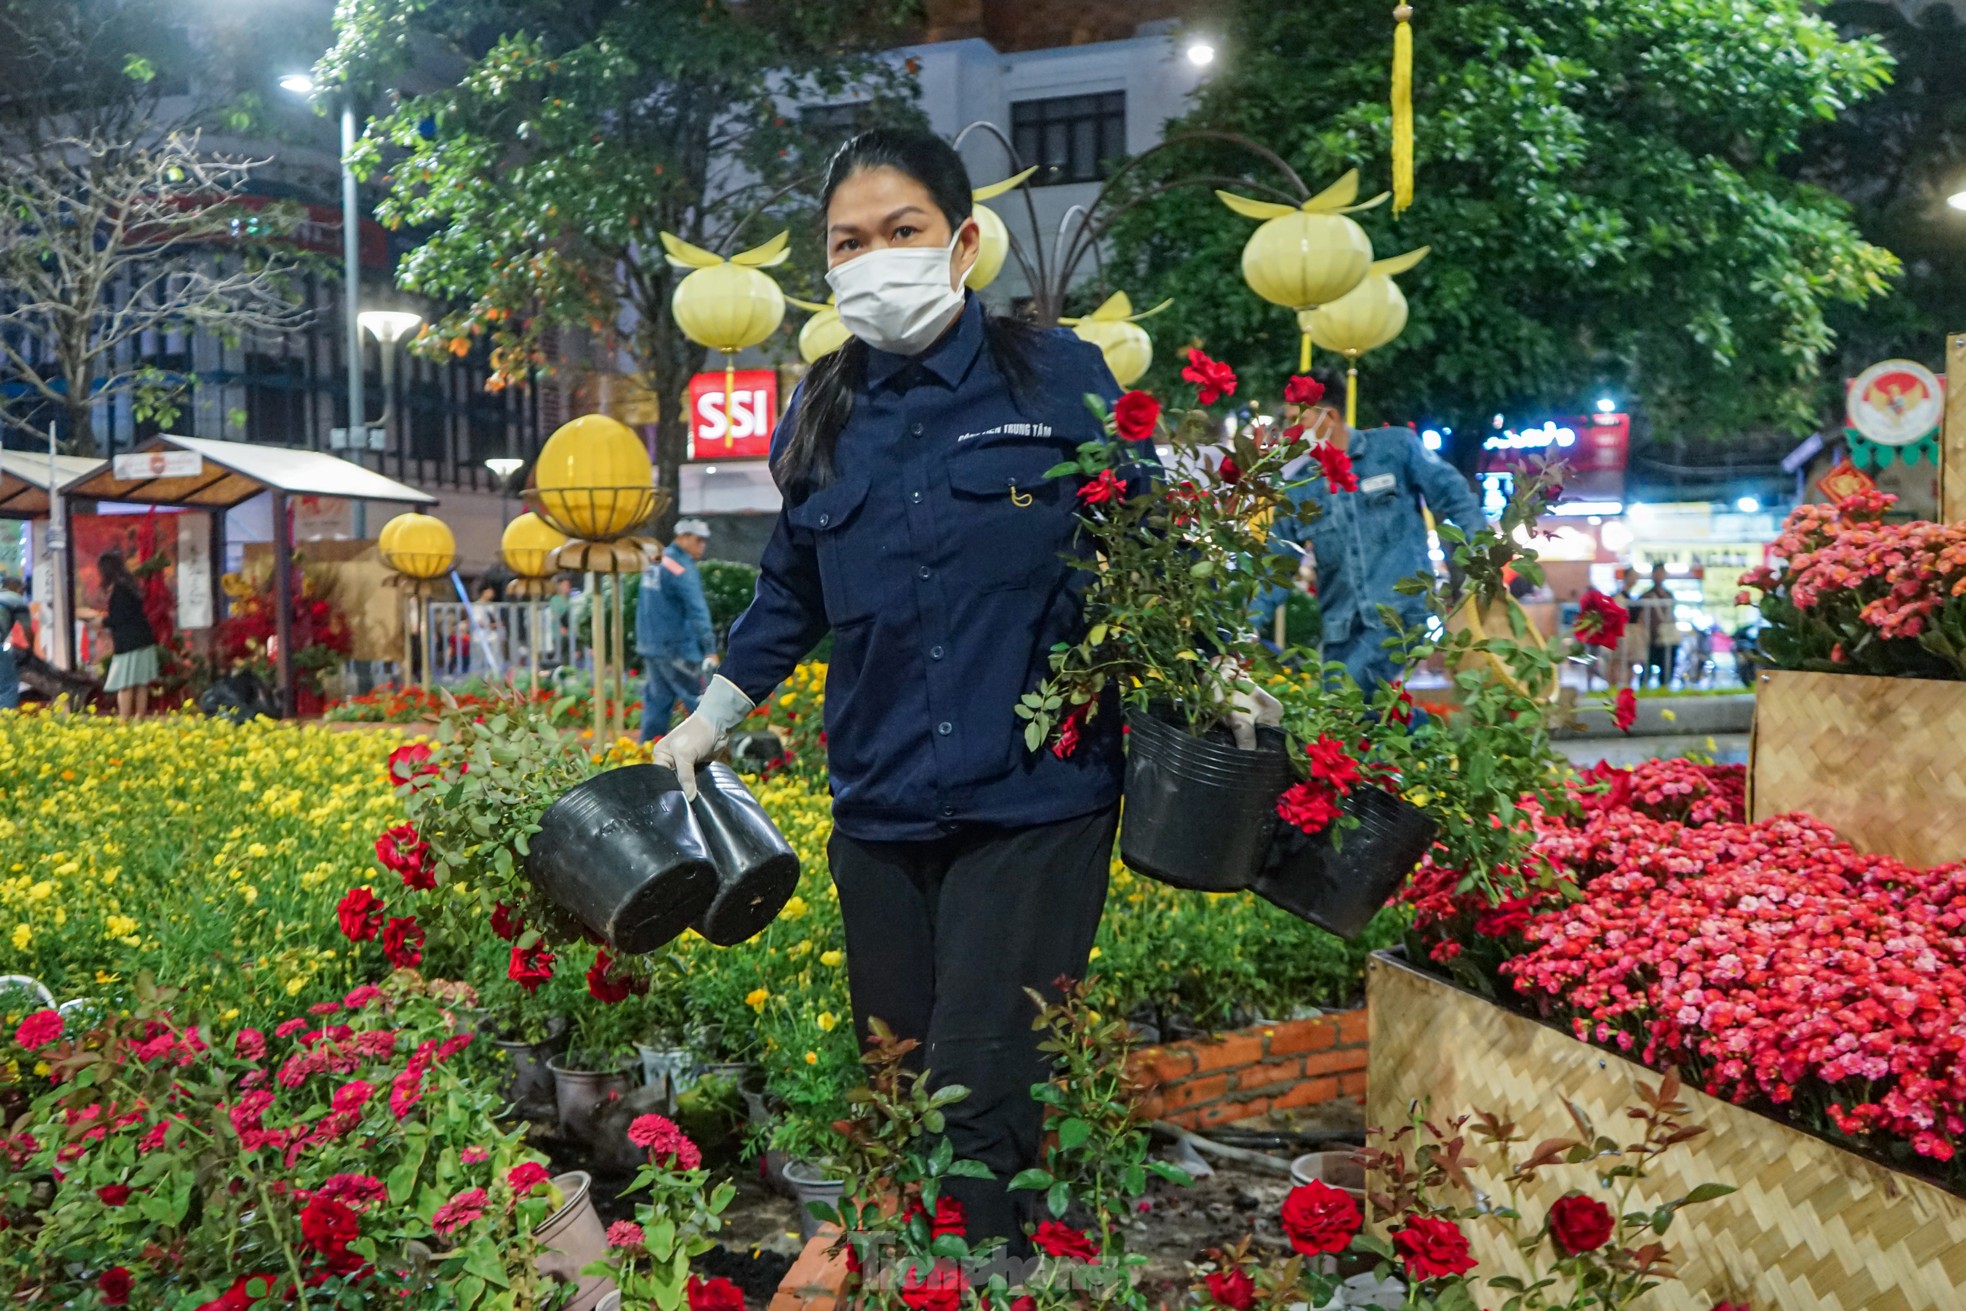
{"x":1174,"y":563}
{"x":678,"y":1219}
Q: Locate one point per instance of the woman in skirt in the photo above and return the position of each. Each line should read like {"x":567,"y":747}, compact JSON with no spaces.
{"x":133,"y":666}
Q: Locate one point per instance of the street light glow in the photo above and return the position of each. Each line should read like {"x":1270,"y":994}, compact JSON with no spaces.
{"x":1957,"y":200}
{"x":1201,"y":54}
{"x":301,"y":84}
{"x":504,"y":465}
{"x":389,"y":326}
{"x":1431,"y":439}
{"x":1747,"y":505}
{"x":1606,"y":405}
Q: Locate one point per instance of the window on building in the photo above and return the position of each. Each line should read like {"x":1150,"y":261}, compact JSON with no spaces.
{"x":1070,"y":138}
{"x":276,"y":399}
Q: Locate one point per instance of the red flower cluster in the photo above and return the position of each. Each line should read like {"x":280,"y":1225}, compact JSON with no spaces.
{"x":1581,"y":1224}
{"x":1314,"y":804}
{"x":1337,"y":466}
{"x":1601,"y":621}
{"x":404,"y":853}
{"x":1055,"y":1238}
{"x":605,"y":986}
{"x":660,"y":1138}
{"x":1301,"y":390}
{"x":1624,"y":711}
{"x":529,"y":966}
{"x":713,"y":1294}
{"x":1106,"y":488}
{"x":1319,"y":1219}
{"x":1431,"y":1248}
{"x":360,"y":915}
{"x":1212,"y":379}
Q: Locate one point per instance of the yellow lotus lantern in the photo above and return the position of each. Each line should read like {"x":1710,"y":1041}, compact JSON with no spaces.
{"x":528,"y":546}
{"x":417,"y":546}
{"x":1365,"y":318}
{"x":995,"y":248}
{"x":823,"y":333}
{"x":1307,"y":255}
{"x":593,"y":479}
{"x":1114,"y":329}
{"x":728,"y":305}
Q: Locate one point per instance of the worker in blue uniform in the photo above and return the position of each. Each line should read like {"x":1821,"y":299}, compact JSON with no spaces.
{"x":673,"y":633}
{"x":1354,"y":547}
{"x":920,"y":529}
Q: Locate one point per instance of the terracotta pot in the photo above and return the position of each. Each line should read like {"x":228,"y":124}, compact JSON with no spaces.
{"x":574,"y":1237}
{"x":530,"y":1083}
{"x":581,"y":1092}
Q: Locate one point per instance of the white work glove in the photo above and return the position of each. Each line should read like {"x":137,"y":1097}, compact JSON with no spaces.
{"x":1247,"y":711}
{"x":710,"y":665}
{"x":703,"y":734}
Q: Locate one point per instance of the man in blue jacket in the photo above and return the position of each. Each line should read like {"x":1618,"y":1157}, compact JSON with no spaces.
{"x":672,"y":629}
{"x":1356,"y":546}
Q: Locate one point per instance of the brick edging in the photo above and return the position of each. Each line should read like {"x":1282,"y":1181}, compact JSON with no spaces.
{"x":1231,"y":1076}
{"x":817,"y":1278}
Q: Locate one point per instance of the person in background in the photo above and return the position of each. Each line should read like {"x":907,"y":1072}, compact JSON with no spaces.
{"x":560,"y":607}
{"x":14,"y":610}
{"x":1657,"y":619}
{"x":673,"y":634}
{"x":486,"y":629}
{"x":133,"y":667}
{"x":1630,"y":652}
{"x":1361,"y":543}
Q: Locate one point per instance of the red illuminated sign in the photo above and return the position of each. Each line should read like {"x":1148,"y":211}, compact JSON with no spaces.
{"x":743,"y":434}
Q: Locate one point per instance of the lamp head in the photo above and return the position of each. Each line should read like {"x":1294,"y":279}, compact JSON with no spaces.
{"x":389,"y":326}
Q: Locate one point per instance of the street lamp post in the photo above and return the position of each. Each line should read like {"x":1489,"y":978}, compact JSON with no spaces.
{"x":389,"y":327}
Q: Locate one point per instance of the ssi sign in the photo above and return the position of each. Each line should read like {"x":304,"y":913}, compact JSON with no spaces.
{"x":746,"y":431}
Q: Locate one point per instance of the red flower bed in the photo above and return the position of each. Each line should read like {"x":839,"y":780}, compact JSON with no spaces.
{"x":1771,"y":963}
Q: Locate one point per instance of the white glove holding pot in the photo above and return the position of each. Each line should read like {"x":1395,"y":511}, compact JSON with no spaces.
{"x":705,"y":733}
{"x":1247,"y":711}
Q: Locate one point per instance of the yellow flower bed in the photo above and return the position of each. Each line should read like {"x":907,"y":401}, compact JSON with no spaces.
{"x":209,"y":855}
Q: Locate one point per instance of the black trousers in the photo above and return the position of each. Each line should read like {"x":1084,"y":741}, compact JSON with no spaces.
{"x":942,"y":938}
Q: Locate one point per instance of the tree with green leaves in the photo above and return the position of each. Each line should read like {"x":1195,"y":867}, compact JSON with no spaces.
{"x":1602,"y":187}
{"x":579,"y":132}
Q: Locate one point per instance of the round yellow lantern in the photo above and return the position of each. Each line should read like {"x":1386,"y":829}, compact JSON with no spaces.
{"x":1365,"y":318}
{"x":528,"y":546}
{"x":1308,"y":255}
{"x":823,"y":333}
{"x":1114,"y":329}
{"x":594,"y":479}
{"x":417,"y":546}
{"x":728,"y":305}
{"x":995,"y":247}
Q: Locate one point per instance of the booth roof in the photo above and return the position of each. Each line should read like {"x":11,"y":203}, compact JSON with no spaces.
{"x":236,"y":472}
{"x":24,"y":480}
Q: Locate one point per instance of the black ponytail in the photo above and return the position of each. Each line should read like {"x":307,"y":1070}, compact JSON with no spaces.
{"x":826,"y":395}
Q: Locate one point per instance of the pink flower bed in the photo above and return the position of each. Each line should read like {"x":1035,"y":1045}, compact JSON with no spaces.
{"x":1772,"y":964}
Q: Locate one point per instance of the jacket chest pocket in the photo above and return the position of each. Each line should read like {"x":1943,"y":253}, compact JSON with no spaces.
{"x":1010,"y":523}
{"x":846,"y":542}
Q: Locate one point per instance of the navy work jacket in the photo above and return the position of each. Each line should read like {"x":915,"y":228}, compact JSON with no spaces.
{"x":936,"y":556}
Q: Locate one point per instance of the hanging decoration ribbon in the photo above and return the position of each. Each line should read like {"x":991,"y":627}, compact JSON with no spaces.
{"x":1402,"y":107}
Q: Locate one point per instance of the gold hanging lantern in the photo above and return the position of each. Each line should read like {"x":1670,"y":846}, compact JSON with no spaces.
{"x":728,"y":305}
{"x":1365,"y":318}
{"x":995,"y":237}
{"x":823,"y":333}
{"x":1114,"y":329}
{"x":1307,"y":255}
{"x":417,"y":546}
{"x":593,"y":479}
{"x":528,"y":545}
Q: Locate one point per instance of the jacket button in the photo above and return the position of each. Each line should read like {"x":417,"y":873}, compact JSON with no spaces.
{"x":935,"y":653}
{"x":916,"y":429}
{"x":945,"y":728}
{"x":922,"y":572}
{"x":825,"y":519}
{"x":916,"y":498}
{"x":948,"y":811}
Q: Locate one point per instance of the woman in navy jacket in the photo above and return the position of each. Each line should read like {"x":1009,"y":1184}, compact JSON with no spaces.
{"x":919,"y":529}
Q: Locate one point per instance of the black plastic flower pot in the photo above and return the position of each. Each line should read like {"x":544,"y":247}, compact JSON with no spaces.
{"x":623,"y":855}
{"x":1199,"y":812}
{"x":756,"y":867}
{"x":1341,"y":889}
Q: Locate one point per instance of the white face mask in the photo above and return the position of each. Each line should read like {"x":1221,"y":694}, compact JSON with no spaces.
{"x":898,"y":300}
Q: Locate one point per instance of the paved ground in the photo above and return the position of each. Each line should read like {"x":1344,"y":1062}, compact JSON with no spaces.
{"x":1725,"y":748}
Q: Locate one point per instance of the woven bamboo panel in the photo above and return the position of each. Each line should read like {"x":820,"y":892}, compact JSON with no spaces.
{"x":1812,"y":1227}
{"x":1880,"y":760}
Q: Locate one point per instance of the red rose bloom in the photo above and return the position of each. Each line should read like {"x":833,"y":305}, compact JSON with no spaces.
{"x":1231,"y":471}
{"x":1333,"y":762}
{"x":1055,"y":1239}
{"x":602,"y":984}
{"x":941,"y":1289}
{"x":1337,"y":467}
{"x":1135,"y":415}
{"x":950,"y":1218}
{"x":530,"y":967}
{"x":410,"y":762}
{"x":401,"y":850}
{"x":1068,"y":734}
{"x":715,"y":1294}
{"x":506,"y":924}
{"x":1625,"y":713}
{"x":1580,"y":1224}
{"x":39,"y":1029}
{"x":113,"y":1194}
{"x":1310,"y":806}
{"x":360,"y":913}
{"x":1432,"y":1249}
{"x":327,"y":1226}
{"x":1600,"y":620}
{"x":1301,"y":390}
{"x":1106,"y":487}
{"x":1233,"y":1289}
{"x":113,"y":1285}
{"x":1212,"y":379}
{"x":1319,"y":1219}
{"x":402,"y":942}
